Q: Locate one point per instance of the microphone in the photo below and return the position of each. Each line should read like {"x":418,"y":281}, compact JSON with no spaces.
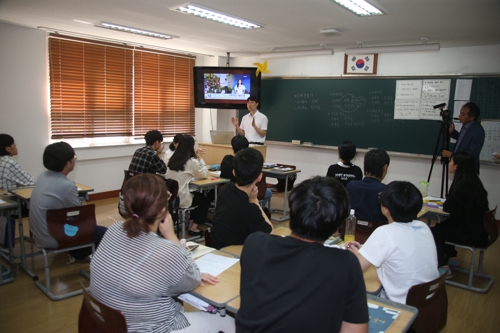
{"x":439,"y":106}
{"x":456,"y":118}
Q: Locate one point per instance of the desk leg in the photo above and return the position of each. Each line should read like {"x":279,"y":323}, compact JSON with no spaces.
{"x":285,"y":216}
{"x":22,"y":264}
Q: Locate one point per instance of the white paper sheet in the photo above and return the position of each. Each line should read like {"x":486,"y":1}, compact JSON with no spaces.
{"x":408,"y":109}
{"x":463,"y":89}
{"x":436,"y":89}
{"x":408,"y":89}
{"x":215,"y":264}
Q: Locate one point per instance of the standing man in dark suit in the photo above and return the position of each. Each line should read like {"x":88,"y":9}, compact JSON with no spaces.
{"x":471,"y":137}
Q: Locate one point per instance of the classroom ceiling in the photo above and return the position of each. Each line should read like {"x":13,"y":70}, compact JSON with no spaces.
{"x":287,"y":24}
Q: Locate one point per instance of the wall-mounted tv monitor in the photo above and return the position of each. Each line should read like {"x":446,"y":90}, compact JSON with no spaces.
{"x":225,"y":87}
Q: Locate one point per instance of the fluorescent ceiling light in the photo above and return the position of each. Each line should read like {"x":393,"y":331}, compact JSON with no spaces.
{"x":359,"y":7}
{"x":209,"y":14}
{"x":273,"y":55}
{"x":135,"y":31}
{"x":394,"y":49}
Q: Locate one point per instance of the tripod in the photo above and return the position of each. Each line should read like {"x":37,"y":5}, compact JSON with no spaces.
{"x":444,"y":134}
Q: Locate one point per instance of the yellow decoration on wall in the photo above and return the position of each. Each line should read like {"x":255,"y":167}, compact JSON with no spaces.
{"x":262,"y":68}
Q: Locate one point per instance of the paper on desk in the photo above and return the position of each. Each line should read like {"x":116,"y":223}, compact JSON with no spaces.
{"x":2,"y":202}
{"x":429,"y":198}
{"x":217,"y":173}
{"x":214,"y":264}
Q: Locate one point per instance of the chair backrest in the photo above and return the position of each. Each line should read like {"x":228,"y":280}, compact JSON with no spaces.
{"x":432,"y":303}
{"x":127,"y":175}
{"x":490,"y":224}
{"x":262,"y":186}
{"x":72,"y":226}
{"x":207,"y":234}
{"x":97,"y":317}
{"x":364,"y":229}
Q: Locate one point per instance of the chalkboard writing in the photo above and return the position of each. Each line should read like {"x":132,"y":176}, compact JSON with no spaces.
{"x":329,"y":111}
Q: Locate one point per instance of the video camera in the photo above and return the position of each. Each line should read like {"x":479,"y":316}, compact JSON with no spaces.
{"x":445,"y":114}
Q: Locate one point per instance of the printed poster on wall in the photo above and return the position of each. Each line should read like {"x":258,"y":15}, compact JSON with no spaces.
{"x":408,"y":89}
{"x":436,"y":89}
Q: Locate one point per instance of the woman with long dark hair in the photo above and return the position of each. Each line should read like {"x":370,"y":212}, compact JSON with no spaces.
{"x":138,"y":272}
{"x":172,"y":147}
{"x":467,"y":202}
{"x":184,"y":165}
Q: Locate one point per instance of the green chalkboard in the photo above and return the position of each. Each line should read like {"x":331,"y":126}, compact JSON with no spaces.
{"x":327,"y":111}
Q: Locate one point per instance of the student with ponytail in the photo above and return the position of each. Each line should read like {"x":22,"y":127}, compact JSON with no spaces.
{"x":138,"y":272}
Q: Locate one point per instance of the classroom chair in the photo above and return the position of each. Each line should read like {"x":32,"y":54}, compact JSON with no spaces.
{"x":492,"y":229}
{"x":432,"y":303}
{"x":121,"y":204}
{"x":283,"y":183}
{"x":180,"y":216}
{"x":364,"y":229}
{"x":72,"y":228}
{"x":96,"y":317}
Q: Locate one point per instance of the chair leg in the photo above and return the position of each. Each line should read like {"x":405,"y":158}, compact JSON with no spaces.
{"x":471,"y":274}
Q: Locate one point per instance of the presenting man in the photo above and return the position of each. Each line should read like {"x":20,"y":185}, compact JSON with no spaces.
{"x":147,"y":159}
{"x":53,"y":190}
{"x":253,"y":125}
{"x":471,"y":136}
{"x":238,"y":213}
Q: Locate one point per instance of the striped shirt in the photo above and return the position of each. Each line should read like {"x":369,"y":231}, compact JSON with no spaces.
{"x":139,"y":276}
{"x":12,"y":175}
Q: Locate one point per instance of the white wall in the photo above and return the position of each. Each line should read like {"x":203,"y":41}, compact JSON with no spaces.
{"x":24,"y":109}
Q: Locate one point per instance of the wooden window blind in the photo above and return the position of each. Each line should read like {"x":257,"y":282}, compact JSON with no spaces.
{"x":99,"y":89}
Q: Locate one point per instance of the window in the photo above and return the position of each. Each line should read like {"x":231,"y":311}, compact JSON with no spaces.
{"x":99,"y":89}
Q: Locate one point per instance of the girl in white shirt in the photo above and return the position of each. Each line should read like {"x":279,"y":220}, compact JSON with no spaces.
{"x":184,"y":165}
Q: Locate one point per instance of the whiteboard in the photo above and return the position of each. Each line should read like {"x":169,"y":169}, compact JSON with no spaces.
{"x":491,"y":140}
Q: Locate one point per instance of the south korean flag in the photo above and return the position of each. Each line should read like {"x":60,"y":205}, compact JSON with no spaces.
{"x":361,"y":64}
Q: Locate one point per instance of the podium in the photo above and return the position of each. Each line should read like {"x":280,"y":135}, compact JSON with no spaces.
{"x":214,"y":153}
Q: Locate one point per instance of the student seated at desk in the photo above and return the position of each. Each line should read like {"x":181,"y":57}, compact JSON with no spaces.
{"x":138,"y":273}
{"x":147,"y":159}
{"x":53,"y":190}
{"x":238,"y":143}
{"x":184,"y":165}
{"x":238,"y":213}
{"x":344,"y":171}
{"x":295,"y":283}
{"x":365,"y":193}
{"x":171,"y":148}
{"x":467,"y":202}
{"x":11,"y":173}
{"x":403,"y":251}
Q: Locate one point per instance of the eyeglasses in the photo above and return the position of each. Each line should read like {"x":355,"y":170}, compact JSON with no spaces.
{"x":75,"y":157}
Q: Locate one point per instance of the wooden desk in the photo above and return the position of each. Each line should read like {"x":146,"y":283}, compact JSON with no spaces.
{"x":372,"y":283}
{"x":281,"y":175}
{"x":5,"y":206}
{"x":236,"y":250}
{"x":214,"y":153}
{"x":221,"y":293}
{"x":208,"y":184}
{"x":24,"y":194}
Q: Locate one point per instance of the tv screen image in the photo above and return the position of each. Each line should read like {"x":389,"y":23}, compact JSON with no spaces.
{"x":225,"y":87}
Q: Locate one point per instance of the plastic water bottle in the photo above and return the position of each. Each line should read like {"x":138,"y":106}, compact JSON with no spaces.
{"x":350,"y":227}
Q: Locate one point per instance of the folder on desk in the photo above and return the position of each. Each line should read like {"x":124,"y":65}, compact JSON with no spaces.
{"x":381,"y":318}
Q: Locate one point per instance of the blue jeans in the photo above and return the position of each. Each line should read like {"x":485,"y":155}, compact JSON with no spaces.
{"x":267,"y":197}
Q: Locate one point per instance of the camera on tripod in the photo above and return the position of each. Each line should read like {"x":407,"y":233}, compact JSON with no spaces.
{"x":445,"y":114}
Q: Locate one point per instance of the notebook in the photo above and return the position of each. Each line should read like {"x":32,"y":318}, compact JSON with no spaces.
{"x":222,"y":137}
